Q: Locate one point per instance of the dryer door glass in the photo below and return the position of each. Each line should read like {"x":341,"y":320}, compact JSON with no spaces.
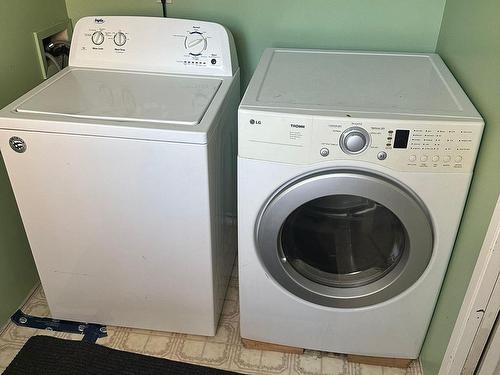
{"x":343,"y":240}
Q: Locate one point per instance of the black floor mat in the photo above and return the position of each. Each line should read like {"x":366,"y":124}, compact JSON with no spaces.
{"x":43,"y":355}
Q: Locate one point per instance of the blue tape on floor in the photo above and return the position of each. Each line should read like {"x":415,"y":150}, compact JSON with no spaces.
{"x":91,"y":332}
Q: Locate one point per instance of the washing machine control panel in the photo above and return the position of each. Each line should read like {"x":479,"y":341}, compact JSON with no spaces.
{"x":163,"y":45}
{"x":401,"y":145}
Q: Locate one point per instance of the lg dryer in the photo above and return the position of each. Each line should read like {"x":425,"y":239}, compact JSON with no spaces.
{"x":122,"y":168}
{"x":353,"y":170}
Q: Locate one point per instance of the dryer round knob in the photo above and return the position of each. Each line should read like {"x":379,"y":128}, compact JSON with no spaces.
{"x":120,"y":39}
{"x":98,"y":38}
{"x":354,"y":141}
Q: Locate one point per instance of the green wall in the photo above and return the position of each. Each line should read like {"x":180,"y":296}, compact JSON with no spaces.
{"x":469,"y":44}
{"x":405,"y":25}
{"x":19,"y":73}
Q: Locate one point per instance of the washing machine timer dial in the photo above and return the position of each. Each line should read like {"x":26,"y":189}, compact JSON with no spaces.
{"x":354,"y":140}
{"x":195,"y":43}
{"x":120,"y":39}
{"x":98,"y":38}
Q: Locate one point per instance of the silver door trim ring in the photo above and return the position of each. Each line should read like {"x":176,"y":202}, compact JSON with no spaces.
{"x":405,"y":204}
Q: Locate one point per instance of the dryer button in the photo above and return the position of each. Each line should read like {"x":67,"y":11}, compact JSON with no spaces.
{"x":382,"y":155}
{"x":324,"y":152}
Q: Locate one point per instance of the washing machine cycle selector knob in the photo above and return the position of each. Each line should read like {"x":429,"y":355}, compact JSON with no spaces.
{"x":98,"y":38}
{"x":195,"y":43}
{"x":354,"y":140}
{"x":120,"y":39}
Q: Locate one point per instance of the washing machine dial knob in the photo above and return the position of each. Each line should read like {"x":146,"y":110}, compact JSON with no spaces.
{"x":195,"y":43}
{"x":98,"y":38}
{"x":120,"y":39}
{"x":354,"y":140}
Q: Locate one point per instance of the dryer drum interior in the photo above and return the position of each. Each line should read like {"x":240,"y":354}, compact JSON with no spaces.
{"x":345,"y":238}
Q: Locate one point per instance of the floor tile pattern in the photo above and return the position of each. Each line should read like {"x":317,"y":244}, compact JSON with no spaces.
{"x":223,"y":351}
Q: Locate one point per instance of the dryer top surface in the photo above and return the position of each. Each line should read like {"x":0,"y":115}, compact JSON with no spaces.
{"x":357,"y":82}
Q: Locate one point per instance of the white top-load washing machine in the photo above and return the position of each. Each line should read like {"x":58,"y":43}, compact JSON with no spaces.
{"x":122,"y":169}
{"x":353,"y":171}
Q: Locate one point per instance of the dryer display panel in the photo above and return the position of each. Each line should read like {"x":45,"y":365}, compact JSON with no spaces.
{"x":401,"y":138}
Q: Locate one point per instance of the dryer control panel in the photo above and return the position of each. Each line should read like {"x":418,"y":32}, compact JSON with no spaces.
{"x":151,"y":44}
{"x":442,"y":146}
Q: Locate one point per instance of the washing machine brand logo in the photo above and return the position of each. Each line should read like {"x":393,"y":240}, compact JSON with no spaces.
{"x":99,"y":20}
{"x":299,"y":126}
{"x":255,"y":122}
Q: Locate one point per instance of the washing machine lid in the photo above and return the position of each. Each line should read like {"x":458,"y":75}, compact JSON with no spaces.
{"x":125,"y":96}
{"x":357,"y":82}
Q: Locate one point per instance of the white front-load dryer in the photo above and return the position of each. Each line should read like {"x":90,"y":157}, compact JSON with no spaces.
{"x":353,"y":171}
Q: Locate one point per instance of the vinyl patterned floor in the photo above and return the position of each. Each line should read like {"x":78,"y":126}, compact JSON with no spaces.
{"x":222,"y":351}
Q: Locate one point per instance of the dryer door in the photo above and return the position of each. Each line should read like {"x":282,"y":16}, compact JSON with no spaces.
{"x":345,"y":238}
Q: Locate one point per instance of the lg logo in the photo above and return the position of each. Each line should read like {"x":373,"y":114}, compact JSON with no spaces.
{"x":255,"y":122}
